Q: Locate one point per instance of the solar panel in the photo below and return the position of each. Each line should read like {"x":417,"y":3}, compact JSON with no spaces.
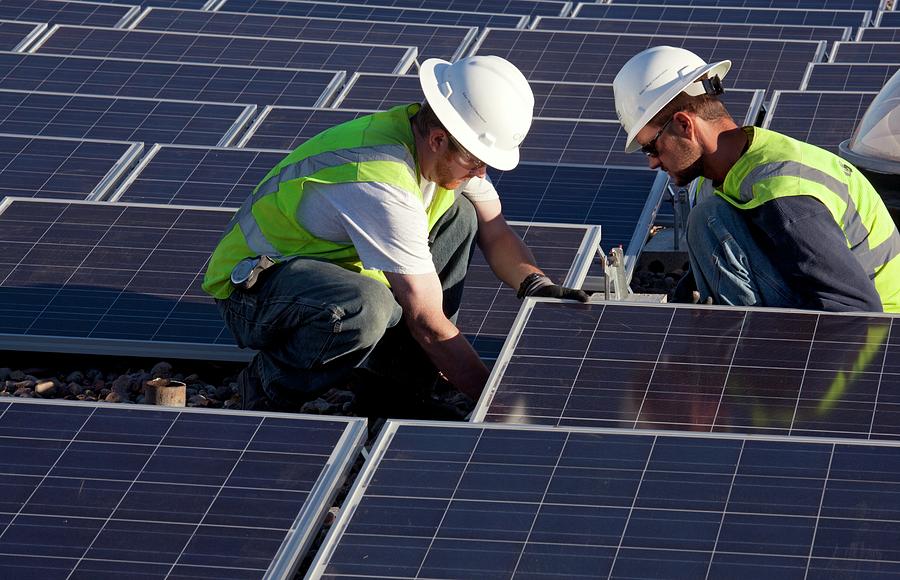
{"x":187,"y":4}
{"x":871,"y":5}
{"x":120,"y":119}
{"x":62,"y":168}
{"x":549,"y":140}
{"x":174,"y":46}
{"x":62,"y":12}
{"x":96,"y":490}
{"x":672,"y":13}
{"x":444,"y":500}
{"x":167,"y":80}
{"x":823,"y":118}
{"x":640,"y":366}
{"x":18,"y":35}
{"x":552,"y":99}
{"x":888,"y":18}
{"x":447,"y":42}
{"x":827,"y":76}
{"x":879,"y":34}
{"x":597,"y":57}
{"x":829,"y":34}
{"x":202,"y":176}
{"x":880,"y":52}
{"x":489,"y":307}
{"x":522,"y":7}
{"x":373,"y":13}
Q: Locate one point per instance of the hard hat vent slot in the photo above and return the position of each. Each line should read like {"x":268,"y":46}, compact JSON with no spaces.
{"x":446,"y":89}
{"x":487,"y":139}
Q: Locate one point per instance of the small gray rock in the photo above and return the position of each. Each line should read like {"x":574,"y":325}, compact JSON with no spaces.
{"x":198,"y":401}
{"x":24,"y":392}
{"x":4,"y":373}
{"x":16,"y":376}
{"x":161,"y":370}
{"x":319,"y":407}
{"x":113,"y":397}
{"x":75,"y":377}
{"x":121,"y":386}
{"x":46,"y":388}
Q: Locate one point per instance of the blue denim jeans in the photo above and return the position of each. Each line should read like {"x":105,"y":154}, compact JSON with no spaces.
{"x":726,"y":261}
{"x":313,"y":322}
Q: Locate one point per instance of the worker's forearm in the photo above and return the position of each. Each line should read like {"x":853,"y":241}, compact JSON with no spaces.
{"x":451,"y":354}
{"x":509,"y":259}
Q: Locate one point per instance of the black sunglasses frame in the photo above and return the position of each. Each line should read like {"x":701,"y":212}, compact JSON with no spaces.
{"x":649,"y":149}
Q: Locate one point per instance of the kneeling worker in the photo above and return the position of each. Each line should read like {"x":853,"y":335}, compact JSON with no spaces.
{"x":789,"y":224}
{"x":363,"y":227}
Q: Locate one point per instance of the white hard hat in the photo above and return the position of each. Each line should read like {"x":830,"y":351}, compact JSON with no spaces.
{"x":484,"y":102}
{"x":652,"y":78}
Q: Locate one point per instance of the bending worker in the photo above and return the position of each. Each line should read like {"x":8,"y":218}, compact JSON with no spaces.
{"x":790,"y":224}
{"x":371,"y":223}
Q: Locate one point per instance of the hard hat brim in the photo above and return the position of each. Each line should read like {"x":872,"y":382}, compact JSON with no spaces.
{"x":720,"y":68}
{"x":431,"y":75}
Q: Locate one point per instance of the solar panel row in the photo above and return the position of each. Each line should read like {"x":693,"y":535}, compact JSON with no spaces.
{"x":167,"y":80}
{"x":823,"y":118}
{"x":97,"y":491}
{"x":447,"y":42}
{"x":18,"y":35}
{"x":871,"y":5}
{"x":847,"y":76}
{"x":532,"y":503}
{"x":875,"y":52}
{"x":64,"y":12}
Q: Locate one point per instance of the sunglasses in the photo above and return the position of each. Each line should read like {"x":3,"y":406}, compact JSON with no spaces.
{"x":465,"y":158}
{"x":650,"y":149}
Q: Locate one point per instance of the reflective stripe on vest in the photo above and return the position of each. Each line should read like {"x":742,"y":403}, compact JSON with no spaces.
{"x":777,"y":166}
{"x":372,"y":149}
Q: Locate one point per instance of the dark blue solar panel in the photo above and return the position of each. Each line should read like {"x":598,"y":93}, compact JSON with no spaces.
{"x":186,"y":4}
{"x":431,"y":40}
{"x":14,"y":34}
{"x":638,"y":366}
{"x":879,"y":34}
{"x":871,"y":5}
{"x":490,"y":307}
{"x":878,"y":52}
{"x":122,"y":492}
{"x":166,"y":80}
{"x":848,"y":77}
{"x":522,"y":7}
{"x":552,"y":99}
{"x":548,"y":141}
{"x":821,"y":118}
{"x":209,"y":177}
{"x":118,"y":118}
{"x":381,"y":13}
{"x":172,"y":46}
{"x":99,"y":275}
{"x":723,"y":14}
{"x":598,"y":57}
{"x":890,"y":19}
{"x":471,"y":501}
{"x":62,"y":12}
{"x":698,"y":29}
{"x":60,"y":168}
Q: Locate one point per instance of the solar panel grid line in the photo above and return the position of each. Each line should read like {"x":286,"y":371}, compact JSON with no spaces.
{"x":323,"y":461}
{"x":444,"y":41}
{"x":67,"y":12}
{"x":212,"y":173}
{"x":847,"y":76}
{"x":392,"y":526}
{"x":17,"y":36}
{"x":764,"y":370}
{"x":822,"y":118}
{"x":883,"y":34}
{"x":516,"y":7}
{"x":366,"y":12}
{"x":866,"y":52}
{"x":225,"y":49}
{"x":676,"y":13}
{"x":633,"y":26}
{"x":113,"y":77}
{"x":62,"y":168}
{"x":598,"y":56}
{"x":871,"y":5}
{"x":113,"y":118}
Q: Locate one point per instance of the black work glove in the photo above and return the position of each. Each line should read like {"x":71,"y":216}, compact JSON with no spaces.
{"x":540,"y":285}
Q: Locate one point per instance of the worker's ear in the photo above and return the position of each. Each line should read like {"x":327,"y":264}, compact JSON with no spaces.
{"x":685,"y":124}
{"x":437,"y":138}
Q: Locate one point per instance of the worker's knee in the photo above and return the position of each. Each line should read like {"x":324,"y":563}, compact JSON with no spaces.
{"x":377,"y":311}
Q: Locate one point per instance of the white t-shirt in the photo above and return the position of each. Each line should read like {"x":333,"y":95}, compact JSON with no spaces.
{"x":385,"y":224}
